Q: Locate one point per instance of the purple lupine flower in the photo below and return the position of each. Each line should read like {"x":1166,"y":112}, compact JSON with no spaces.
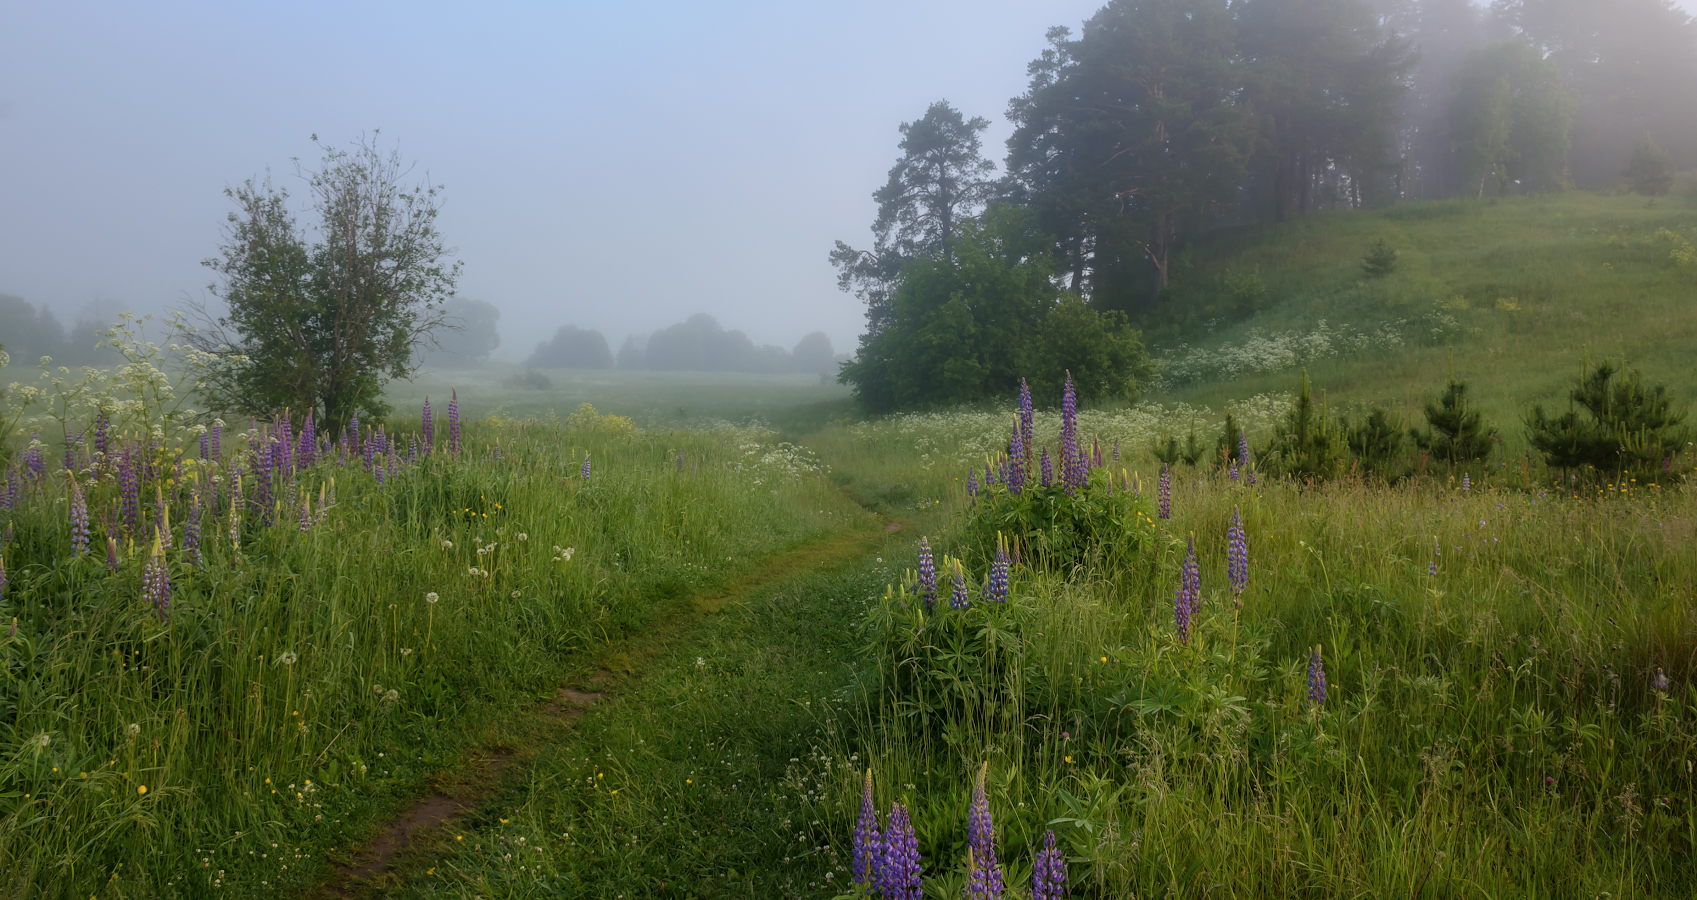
{"x":1096,"y":460}
{"x":1316,"y":677}
{"x":79,"y":520}
{"x":899,"y":870}
{"x":71,"y":442}
{"x":112,"y":553}
{"x":306,"y":453}
{"x":412,"y":454}
{"x":1049,"y":871}
{"x":1231,"y":470}
{"x":989,"y":475}
{"x":191,"y":528}
{"x":217,"y":438}
{"x":985,"y":882}
{"x":1166,"y":493}
{"x":972,"y":484}
{"x":156,"y":583}
{"x":927,"y":575}
{"x":102,"y":428}
{"x":1237,"y":555}
{"x":9,"y":498}
{"x":1189,"y":593}
{"x":1243,"y":457}
{"x":1660,"y":682}
{"x":1071,"y":464}
{"x":868,"y":848}
{"x":368,"y":449}
{"x":1116,"y":449}
{"x":586,"y":467}
{"x":454,"y":424}
{"x":1047,"y":469}
{"x":35,"y":468}
{"x":129,"y":491}
{"x":262,"y":496}
{"x":3,"y":579}
{"x":1437,"y":551}
{"x":997,"y":590}
{"x":1016,"y":461}
{"x":1466,"y":483}
{"x":352,"y":432}
{"x":205,"y":445}
{"x":429,"y":427}
{"x":1026,"y":416}
{"x":958,"y":598}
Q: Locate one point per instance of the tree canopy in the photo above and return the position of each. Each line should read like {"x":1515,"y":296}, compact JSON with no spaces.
{"x":325,"y":323}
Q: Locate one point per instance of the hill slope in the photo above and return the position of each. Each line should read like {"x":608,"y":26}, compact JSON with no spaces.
{"x":1517,"y":292}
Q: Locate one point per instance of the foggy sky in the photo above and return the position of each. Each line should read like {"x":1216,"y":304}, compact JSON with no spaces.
{"x":615,"y":166}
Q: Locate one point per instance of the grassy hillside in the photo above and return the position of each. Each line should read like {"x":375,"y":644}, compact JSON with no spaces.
{"x":1517,"y":291}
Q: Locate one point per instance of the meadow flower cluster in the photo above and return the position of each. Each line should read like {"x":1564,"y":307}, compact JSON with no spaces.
{"x":1263,"y":351}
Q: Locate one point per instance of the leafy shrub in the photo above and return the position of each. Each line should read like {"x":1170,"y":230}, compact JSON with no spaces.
{"x":1376,"y":441}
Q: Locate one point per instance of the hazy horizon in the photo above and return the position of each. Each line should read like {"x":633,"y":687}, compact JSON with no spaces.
{"x":583,"y":187}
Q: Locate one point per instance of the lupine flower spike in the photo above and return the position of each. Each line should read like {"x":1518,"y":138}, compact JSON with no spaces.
{"x":79,"y":519}
{"x":867,"y":847}
{"x":1049,"y":871}
{"x":972,"y":485}
{"x":454,"y":424}
{"x":586,"y":467}
{"x":1237,"y":555}
{"x":428,"y":428}
{"x":958,"y":598}
{"x":1165,"y":509}
{"x":2,"y":578}
{"x":1660,"y":682}
{"x":899,"y":870}
{"x":1466,"y":483}
{"x":1047,"y":468}
{"x":927,"y":575}
{"x":997,"y":590}
{"x":1316,"y":677}
{"x":156,"y":582}
{"x":1189,"y":593}
{"x":985,"y":880}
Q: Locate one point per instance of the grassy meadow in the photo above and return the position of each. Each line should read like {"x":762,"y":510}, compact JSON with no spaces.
{"x":227,"y":671}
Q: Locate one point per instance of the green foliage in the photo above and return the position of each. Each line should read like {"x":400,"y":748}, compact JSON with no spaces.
{"x":573,"y":348}
{"x":1305,"y":444}
{"x":1226,"y":448}
{"x":325,"y":325}
{"x":966,"y":327}
{"x":1380,"y":259}
{"x":1629,"y":428}
{"x":1168,"y":450}
{"x":1455,"y":432}
{"x":1051,"y":528}
{"x":470,"y":332}
{"x":1511,"y":117}
{"x":1649,"y":171}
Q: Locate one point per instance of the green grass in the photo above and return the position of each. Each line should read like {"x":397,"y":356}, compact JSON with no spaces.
{"x":305,"y":684}
{"x":1491,"y":728}
{"x":1533,"y":284}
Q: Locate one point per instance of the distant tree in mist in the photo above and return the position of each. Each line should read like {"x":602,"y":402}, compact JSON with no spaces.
{"x":1511,"y":118}
{"x":470,"y":332}
{"x":1649,"y":171}
{"x":31,"y":334}
{"x":631,"y":355}
{"x":1631,"y":65}
{"x":941,"y":180}
{"x":572,"y":348}
{"x":814,"y":355}
{"x":700,"y":344}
